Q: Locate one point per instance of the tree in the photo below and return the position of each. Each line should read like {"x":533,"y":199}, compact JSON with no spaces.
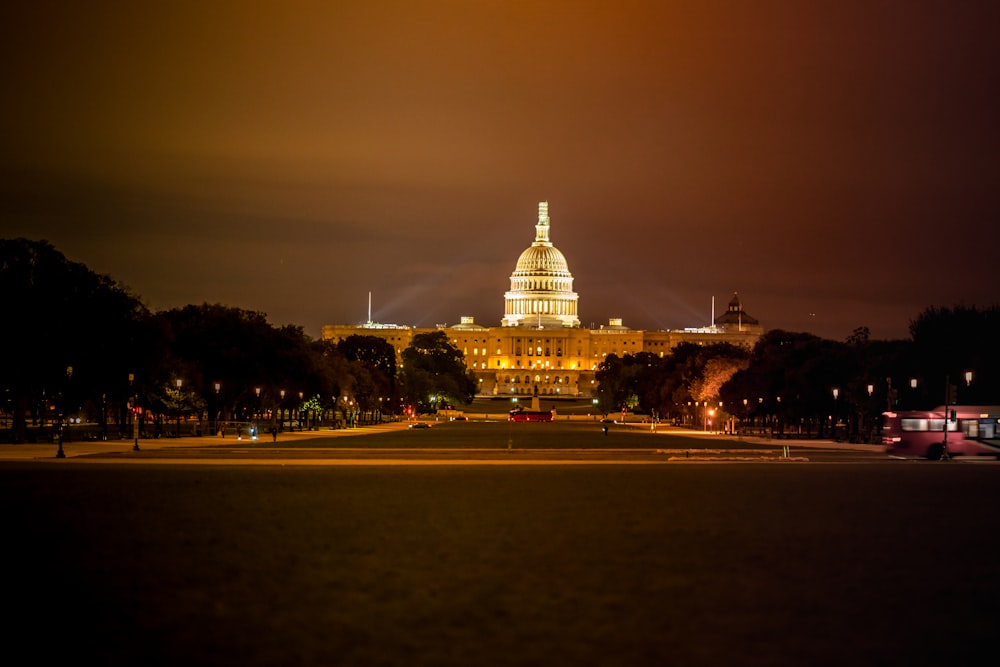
{"x":434,"y":373}
{"x":65,"y":317}
{"x":378,"y":358}
{"x":950,"y":341}
{"x":241,"y":351}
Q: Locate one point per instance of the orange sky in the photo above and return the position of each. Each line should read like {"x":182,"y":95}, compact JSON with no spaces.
{"x":834,"y":162}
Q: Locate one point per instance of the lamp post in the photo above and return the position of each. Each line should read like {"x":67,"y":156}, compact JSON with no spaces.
{"x":218,"y":407}
{"x":60,"y":454}
{"x":746,"y":415}
{"x":865,"y":416}
{"x":833,"y":417}
{"x":949,"y":397}
{"x":180,"y":383}
{"x":281,"y":408}
{"x":135,"y":411}
{"x":257,"y":411}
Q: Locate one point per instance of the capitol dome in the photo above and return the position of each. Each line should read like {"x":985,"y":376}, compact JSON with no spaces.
{"x":541,"y":258}
{"x":541,"y":287}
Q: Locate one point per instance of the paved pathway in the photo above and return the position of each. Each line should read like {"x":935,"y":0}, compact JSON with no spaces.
{"x":32,"y":451}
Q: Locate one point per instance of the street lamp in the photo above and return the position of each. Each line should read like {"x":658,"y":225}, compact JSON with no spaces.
{"x":281,"y":411}
{"x":179,"y":384}
{"x":218,"y":407}
{"x":135,"y":411}
{"x":253,"y":432}
{"x":968,"y":378}
{"x":833,"y":421}
{"x":60,"y":454}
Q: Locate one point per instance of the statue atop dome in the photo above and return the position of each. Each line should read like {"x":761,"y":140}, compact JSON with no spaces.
{"x":542,"y":226}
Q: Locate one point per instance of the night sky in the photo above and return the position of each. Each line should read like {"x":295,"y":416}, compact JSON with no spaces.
{"x":836,"y":163}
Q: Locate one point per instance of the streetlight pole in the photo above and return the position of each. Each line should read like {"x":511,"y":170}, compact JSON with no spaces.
{"x":218,"y":407}
{"x":869,"y":422}
{"x":833,"y":417}
{"x":135,"y":411}
{"x":60,"y":454}
{"x":179,"y":384}
{"x":947,"y":399}
{"x":281,"y":408}
{"x":257,"y":413}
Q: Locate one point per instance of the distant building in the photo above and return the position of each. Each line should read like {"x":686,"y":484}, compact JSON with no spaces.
{"x":540,"y":346}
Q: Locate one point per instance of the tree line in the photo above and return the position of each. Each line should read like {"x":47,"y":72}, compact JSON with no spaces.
{"x":80,"y":345}
{"x":77,"y":343}
{"x":797,"y":383}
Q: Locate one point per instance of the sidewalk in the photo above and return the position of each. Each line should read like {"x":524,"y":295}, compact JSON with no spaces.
{"x":804,"y":443}
{"x":36,"y":451}
{"x":815,"y":444}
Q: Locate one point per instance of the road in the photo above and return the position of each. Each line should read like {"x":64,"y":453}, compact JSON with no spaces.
{"x":488,"y":442}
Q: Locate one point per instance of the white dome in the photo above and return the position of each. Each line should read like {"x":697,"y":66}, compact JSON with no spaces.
{"x":541,"y":287}
{"x":541,"y":259}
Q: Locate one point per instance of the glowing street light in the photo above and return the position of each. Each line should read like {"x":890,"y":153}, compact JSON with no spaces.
{"x":281,"y":410}
{"x":180,"y":383}
{"x":218,"y":408}
{"x":135,"y":411}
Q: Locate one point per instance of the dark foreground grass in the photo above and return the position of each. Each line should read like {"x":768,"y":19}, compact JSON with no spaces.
{"x":558,"y":565}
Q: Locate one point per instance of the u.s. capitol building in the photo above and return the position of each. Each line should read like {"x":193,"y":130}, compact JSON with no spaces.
{"x":540,"y":346}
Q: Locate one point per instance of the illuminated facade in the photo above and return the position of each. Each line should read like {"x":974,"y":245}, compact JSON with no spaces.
{"x":539,"y":347}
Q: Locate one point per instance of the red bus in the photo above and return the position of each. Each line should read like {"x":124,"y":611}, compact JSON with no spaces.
{"x":521,"y":415}
{"x":973,"y":430}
